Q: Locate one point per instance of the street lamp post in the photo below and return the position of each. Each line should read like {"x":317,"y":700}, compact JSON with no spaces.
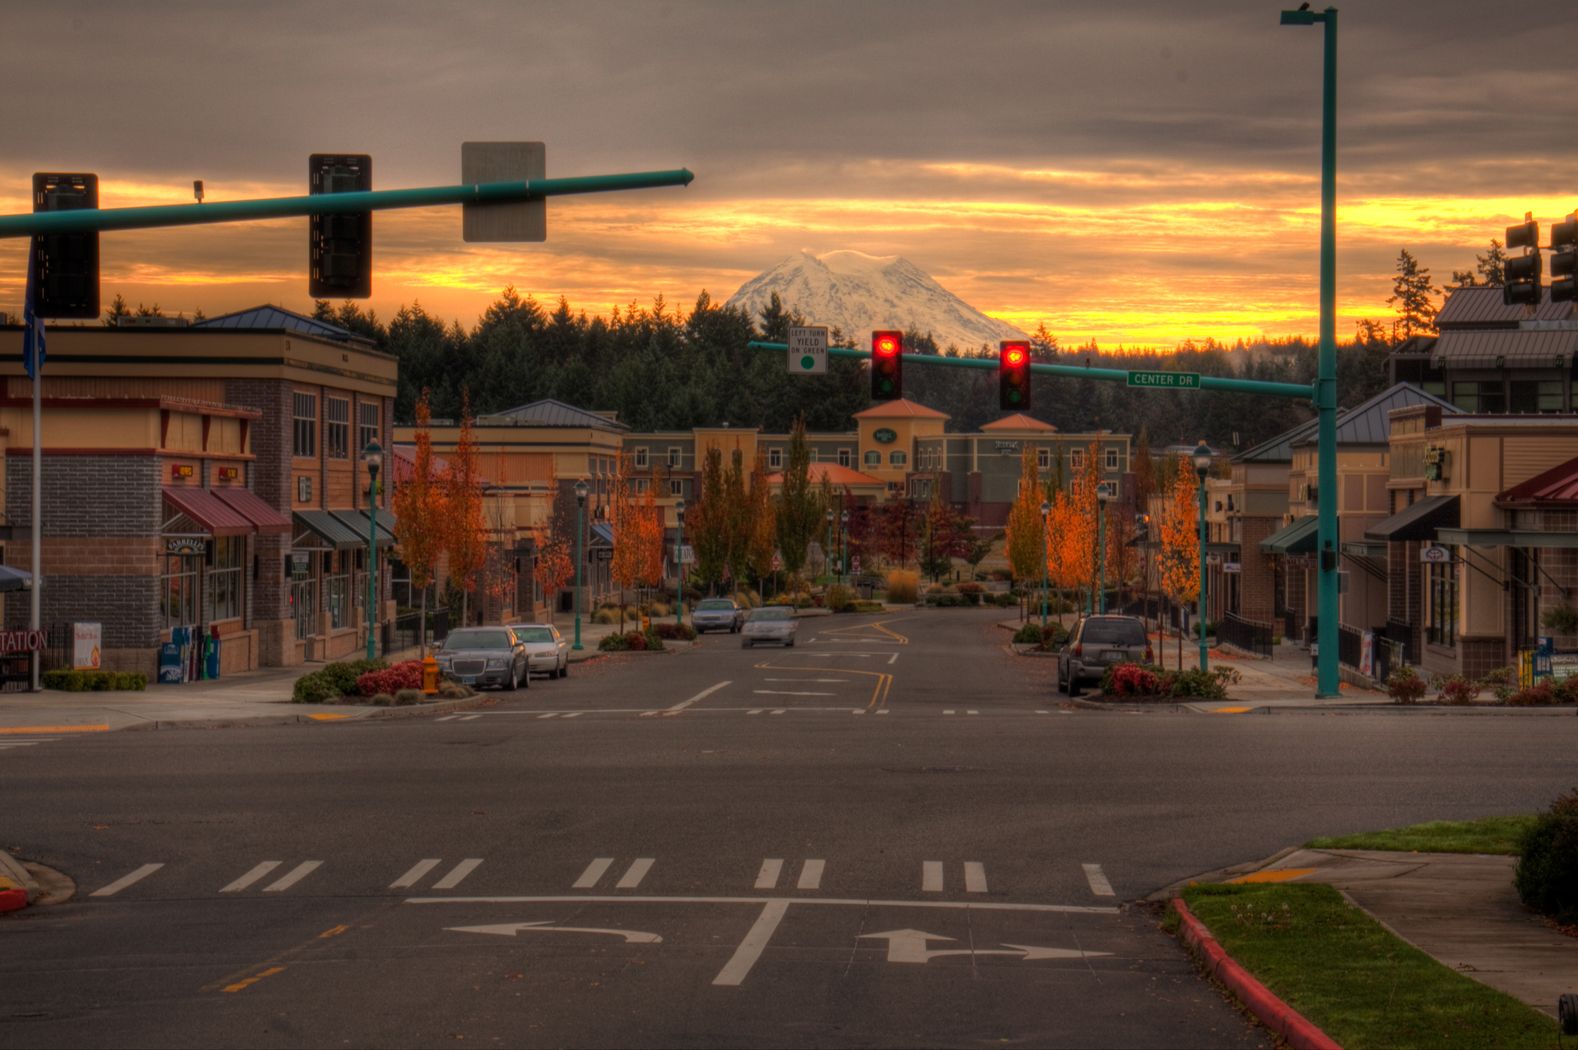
{"x":1046,"y":508}
{"x":827,"y":550}
{"x":1103,"y":497}
{"x":373,"y":456}
{"x":843,"y":546}
{"x":580,"y":556}
{"x":1202,"y":466}
{"x":679,"y":560}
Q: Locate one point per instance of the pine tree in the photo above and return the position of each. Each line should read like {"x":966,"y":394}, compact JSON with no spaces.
{"x":799,"y":510}
{"x":1411,"y":291}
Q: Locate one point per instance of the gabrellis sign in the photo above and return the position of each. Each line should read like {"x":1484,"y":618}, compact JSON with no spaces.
{"x":22,"y":641}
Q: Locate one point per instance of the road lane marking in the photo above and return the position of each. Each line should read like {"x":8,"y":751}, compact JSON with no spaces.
{"x":248,"y":982}
{"x":458,"y":872}
{"x":931,"y":876}
{"x":446,"y":718}
{"x":698,"y":697}
{"x":787,"y":692}
{"x":949,"y":711}
{"x":778,"y":710}
{"x":756,"y":710}
{"x":295,"y":875}
{"x":838,"y":902}
{"x":594,"y":871}
{"x":751,"y":947}
{"x":858,"y":711}
{"x":767,"y":878}
{"x":1098,"y":880}
{"x":252,"y":876}
{"x":550,"y":714}
{"x":805,"y":679}
{"x":634,"y":874}
{"x":974,"y":877}
{"x":882,"y":710}
{"x":126,"y":880}
{"x":34,"y":730}
{"x":811,"y":875}
{"x":469,"y":718}
{"x":417,"y":873}
{"x":575,"y":714}
{"x":333,"y":931}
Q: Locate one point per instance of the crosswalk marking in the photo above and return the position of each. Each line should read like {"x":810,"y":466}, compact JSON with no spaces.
{"x":974,"y":877}
{"x":295,"y":875}
{"x":7,"y":743}
{"x":575,"y":714}
{"x":811,"y":875}
{"x":634,"y":874}
{"x":594,"y":871}
{"x":126,"y":880}
{"x":458,"y":872}
{"x":252,"y":876}
{"x":1098,"y":880}
{"x":931,"y":876}
{"x":550,"y":714}
{"x":767,"y":877}
{"x":417,"y":873}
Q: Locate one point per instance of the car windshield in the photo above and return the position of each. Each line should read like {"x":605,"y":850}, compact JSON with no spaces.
{"x":772,"y":613}
{"x":1114,"y":632}
{"x":534,"y":634}
{"x":714,"y":603}
{"x":477,"y":639}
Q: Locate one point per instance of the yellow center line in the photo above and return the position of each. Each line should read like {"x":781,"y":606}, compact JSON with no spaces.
{"x":879,"y":691}
{"x":241,"y":979}
{"x":879,"y":625}
{"x":334,"y":931}
{"x":17,"y":730}
{"x":254,"y":979}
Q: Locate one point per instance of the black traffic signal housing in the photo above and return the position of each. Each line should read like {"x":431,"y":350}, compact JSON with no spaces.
{"x":66,"y":265}
{"x":1013,"y":375}
{"x":1522,"y":287}
{"x":1564,"y":260}
{"x":340,"y":246}
{"x":887,"y":366}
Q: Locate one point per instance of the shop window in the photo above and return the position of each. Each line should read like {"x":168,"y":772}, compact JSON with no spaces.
{"x":775,"y":458}
{"x":304,"y":607}
{"x":337,"y":591}
{"x":178,"y":590}
{"x":224,"y":578}
{"x":337,"y":427}
{"x":304,"y":419}
{"x":1441,"y":592}
{"x":898,"y":459}
{"x":1488,"y":397}
{"x":1529,"y":395}
{"x":873,"y":459}
{"x":367,"y":429}
{"x":845,"y":457}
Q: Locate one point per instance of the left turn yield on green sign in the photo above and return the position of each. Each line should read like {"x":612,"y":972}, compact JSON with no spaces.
{"x":808,"y":350}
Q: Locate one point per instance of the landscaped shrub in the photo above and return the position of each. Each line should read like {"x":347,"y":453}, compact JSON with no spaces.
{"x":867,"y":607}
{"x":970,"y":587}
{"x":657,"y":609}
{"x":903,"y":586}
{"x":342,"y":677}
{"x":407,"y":697}
{"x":613,"y":643}
{"x":945,"y":601}
{"x":1502,"y":682}
{"x":454,"y":691}
{"x":381,"y":699}
{"x":606,"y":616}
{"x":934,"y":588}
{"x":1455,"y":689}
{"x":313,"y":688}
{"x":404,"y":675}
{"x":1547,"y":871}
{"x":1029,"y":634}
{"x":1004,"y":600}
{"x":1567,"y":690}
{"x":670,"y":631}
{"x":1193,"y":684}
{"x":1054,"y":636}
{"x":1405,"y":685}
{"x":1133,"y":680}
{"x":94,"y":681}
{"x":1196,"y":684}
{"x":1540,"y":694}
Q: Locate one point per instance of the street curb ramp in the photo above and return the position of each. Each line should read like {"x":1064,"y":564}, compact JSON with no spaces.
{"x":17,"y":887}
{"x":1287,"y":1023}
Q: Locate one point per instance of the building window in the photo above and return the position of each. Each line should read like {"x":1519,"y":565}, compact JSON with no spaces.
{"x":337,"y":427}
{"x":1043,"y":459}
{"x":178,"y":589}
{"x":368,"y":429}
{"x":775,"y":458}
{"x":304,"y":607}
{"x":1112,"y":459}
{"x":673,"y":457}
{"x":641,"y":458}
{"x":641,"y":485}
{"x":337,"y":591}
{"x":1529,"y":395}
{"x":897,"y":459}
{"x":676,"y":487}
{"x":304,"y":435}
{"x":1076,"y":460}
{"x":1441,"y":589}
{"x":1480,"y":396}
{"x":224,"y":578}
{"x":873,"y":458}
{"x":845,"y":457}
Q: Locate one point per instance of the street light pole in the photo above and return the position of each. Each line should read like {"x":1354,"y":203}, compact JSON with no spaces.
{"x":843,"y":546}
{"x":679,"y":560}
{"x":1202,"y":466}
{"x":373,"y":456}
{"x":1101,"y":547}
{"x":827,"y":550}
{"x":1046,"y":508}
{"x":580,"y":556}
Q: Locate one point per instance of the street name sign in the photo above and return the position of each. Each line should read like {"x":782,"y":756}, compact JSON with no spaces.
{"x":1166,"y":380}
{"x":808,"y":350}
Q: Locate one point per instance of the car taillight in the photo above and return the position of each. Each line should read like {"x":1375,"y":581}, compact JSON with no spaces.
{"x":1079,"y":648}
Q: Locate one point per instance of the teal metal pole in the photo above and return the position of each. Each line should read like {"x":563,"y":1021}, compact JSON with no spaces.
{"x":679,"y":562}
{"x":1101,"y":556}
{"x":580,"y":556}
{"x":1045,"y":572}
{"x":1204,"y":658}
{"x":372,"y":567}
{"x":88,"y":220}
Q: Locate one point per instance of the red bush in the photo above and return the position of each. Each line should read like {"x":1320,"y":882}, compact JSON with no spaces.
{"x":407,"y":675}
{"x":1134,"y":680}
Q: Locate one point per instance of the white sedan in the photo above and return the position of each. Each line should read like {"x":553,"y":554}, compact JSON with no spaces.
{"x":770,"y":623}
{"x":547,"y":652}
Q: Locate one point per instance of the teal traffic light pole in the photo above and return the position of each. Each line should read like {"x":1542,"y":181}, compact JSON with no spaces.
{"x":1326,"y":678}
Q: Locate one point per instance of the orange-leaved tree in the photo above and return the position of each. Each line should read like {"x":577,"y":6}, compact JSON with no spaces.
{"x":761,"y":542}
{"x":554,"y":568}
{"x":625,"y":568}
{"x":421,"y":517}
{"x":1179,"y":558}
{"x":467,"y":539}
{"x":1024,"y":543}
{"x":1078,"y":527}
{"x":649,"y":530}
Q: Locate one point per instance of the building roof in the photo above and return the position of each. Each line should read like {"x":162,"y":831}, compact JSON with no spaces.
{"x":1557,"y":485}
{"x":1278,"y":449}
{"x":550,"y":413}
{"x":1481,"y":307}
{"x":1370,"y":423}
{"x":833,"y":473}
{"x":903,"y":408}
{"x":279,"y":319}
{"x":1018,"y":421}
{"x":1508,"y":347}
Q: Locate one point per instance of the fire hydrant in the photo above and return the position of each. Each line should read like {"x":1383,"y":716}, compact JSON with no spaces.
{"x":429,"y":675}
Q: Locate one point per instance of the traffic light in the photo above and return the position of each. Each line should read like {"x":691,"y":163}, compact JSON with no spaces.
{"x":66,"y":264}
{"x":340,"y":246}
{"x":1564,"y":259}
{"x":1013,"y":375}
{"x":1522,"y":285}
{"x":887,"y":366}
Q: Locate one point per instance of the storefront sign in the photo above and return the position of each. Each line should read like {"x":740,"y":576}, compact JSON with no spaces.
{"x":1563,"y":665}
{"x":86,"y":639}
{"x":1434,"y":555}
{"x":1232,"y":566}
{"x":185,"y":545}
{"x":1007,"y":447}
{"x":21,"y":641}
{"x":300,"y":563}
{"x":884,"y":436}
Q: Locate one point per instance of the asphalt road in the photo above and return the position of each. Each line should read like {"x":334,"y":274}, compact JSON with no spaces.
{"x":890,"y":835}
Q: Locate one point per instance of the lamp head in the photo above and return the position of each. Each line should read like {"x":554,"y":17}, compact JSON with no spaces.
{"x":679,"y":509}
{"x":843,"y":516}
{"x":373,"y":456}
{"x":1202,"y":457}
{"x":1046,"y":508}
{"x":581,"y":489}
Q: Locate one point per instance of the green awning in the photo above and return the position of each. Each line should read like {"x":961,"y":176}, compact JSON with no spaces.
{"x":1297,"y":538}
{"x":328,"y":528}
{"x":1417,"y":521}
{"x":356,"y":521}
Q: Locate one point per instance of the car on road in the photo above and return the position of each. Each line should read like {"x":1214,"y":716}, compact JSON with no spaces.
{"x":770,"y":623}
{"x":717,"y":614}
{"x":547,"y":651}
{"x":1097,"y":642}
{"x":484,"y":656}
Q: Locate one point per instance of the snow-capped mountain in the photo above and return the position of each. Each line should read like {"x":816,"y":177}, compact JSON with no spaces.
{"x":859,"y":293}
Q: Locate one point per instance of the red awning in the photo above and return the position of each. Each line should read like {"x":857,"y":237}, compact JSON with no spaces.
{"x":212,"y":514}
{"x":265,"y":518}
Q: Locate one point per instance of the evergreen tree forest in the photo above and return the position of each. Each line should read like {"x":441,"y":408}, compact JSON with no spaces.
{"x":665,"y":369}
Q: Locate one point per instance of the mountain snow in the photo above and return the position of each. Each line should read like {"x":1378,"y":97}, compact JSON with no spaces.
{"x":861,"y":293}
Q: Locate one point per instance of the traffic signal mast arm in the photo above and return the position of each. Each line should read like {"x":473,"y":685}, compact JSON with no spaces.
{"x":1297,"y":391}
{"x":87,"y":220}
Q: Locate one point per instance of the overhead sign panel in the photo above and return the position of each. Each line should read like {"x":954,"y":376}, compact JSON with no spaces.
{"x":504,"y":162}
{"x":808,"y":350}
{"x":1166,"y":380}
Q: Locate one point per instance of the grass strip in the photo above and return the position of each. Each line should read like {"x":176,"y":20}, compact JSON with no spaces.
{"x":1485,"y":835}
{"x":1353,"y":979}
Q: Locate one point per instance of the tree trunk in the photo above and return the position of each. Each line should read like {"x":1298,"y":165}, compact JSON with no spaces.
{"x":421,"y":627}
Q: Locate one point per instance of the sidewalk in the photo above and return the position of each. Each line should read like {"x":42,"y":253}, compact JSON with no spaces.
{"x":1459,"y":908}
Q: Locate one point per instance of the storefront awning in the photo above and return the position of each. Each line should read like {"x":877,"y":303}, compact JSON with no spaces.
{"x":212,"y":514}
{"x":250,"y":505}
{"x":328,"y":528}
{"x":1506,"y":538}
{"x":602,"y":534}
{"x":356,"y":521}
{"x":15,"y":579}
{"x":1297,"y":538}
{"x":1376,"y":551}
{"x":1418,"y":521}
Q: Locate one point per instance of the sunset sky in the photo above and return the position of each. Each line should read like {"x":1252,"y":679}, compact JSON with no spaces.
{"x":1134,"y":172}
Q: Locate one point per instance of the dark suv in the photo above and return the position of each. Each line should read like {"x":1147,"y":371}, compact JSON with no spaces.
{"x":1096,"y":643}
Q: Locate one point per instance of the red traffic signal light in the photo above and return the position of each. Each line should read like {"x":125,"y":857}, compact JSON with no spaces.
{"x":1013,"y":375}
{"x":887,"y":366}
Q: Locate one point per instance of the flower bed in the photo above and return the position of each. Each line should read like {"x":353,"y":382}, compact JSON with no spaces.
{"x":1149,"y":684}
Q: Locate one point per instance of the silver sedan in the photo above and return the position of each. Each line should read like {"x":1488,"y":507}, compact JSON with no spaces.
{"x":547,"y":651}
{"x":771,"y":623}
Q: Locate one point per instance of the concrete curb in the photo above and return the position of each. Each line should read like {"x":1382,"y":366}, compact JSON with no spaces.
{"x":1287,"y":1023}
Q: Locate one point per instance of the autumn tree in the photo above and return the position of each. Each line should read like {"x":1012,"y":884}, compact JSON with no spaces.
{"x":421,"y":514}
{"x":466,"y":538}
{"x":625,"y":567}
{"x":553,"y":568}
{"x":737,"y":519}
{"x":707,"y":522}
{"x":1179,"y":556}
{"x":1025,"y":540}
{"x":761,"y":544}
{"x":649,"y":540}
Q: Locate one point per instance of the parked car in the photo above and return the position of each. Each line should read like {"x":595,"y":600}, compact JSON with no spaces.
{"x":484,"y":656}
{"x":770,"y":623}
{"x":717,"y":614}
{"x":1095,"y":643}
{"x":547,"y":651}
